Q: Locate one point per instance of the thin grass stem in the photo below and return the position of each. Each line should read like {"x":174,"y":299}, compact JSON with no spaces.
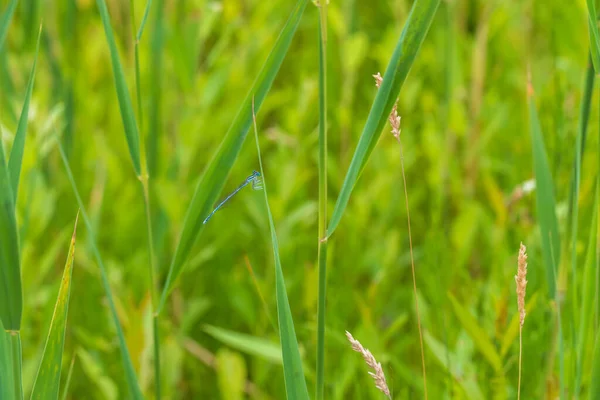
{"x":322,"y":224}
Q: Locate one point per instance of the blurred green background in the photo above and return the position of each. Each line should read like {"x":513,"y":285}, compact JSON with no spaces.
{"x":466,"y":142}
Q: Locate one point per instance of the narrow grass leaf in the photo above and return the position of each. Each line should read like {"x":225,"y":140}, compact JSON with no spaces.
{"x":156,"y":74}
{"x":545,"y":202}
{"x":246,"y":343}
{"x":68,"y":380}
{"x":16,"y":153}
{"x":477,"y":334}
{"x":593,"y":33}
{"x":47,"y":382}
{"x":11,"y":296}
{"x":587,"y":297}
{"x":7,"y":378}
{"x":127,"y":113}
{"x":293,"y":373}
{"x":404,"y":55}
{"x":594,"y":381}
{"x":212,"y":181}
{"x":130,"y":377}
{"x":5,"y":20}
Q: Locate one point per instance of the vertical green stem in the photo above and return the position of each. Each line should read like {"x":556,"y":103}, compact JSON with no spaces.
{"x":322,"y":245}
{"x":144,"y":179}
{"x":15,"y":345}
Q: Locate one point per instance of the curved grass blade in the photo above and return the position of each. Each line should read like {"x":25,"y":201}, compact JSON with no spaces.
{"x":246,"y":343}
{"x":404,"y":55}
{"x":47,"y":382}
{"x":545,"y":202}
{"x":594,"y":36}
{"x":212,"y":181}
{"x":130,"y":377}
{"x":295,"y":384}
{"x":16,"y":153}
{"x":11,"y":296}
{"x":5,"y":20}
{"x":127,"y":113}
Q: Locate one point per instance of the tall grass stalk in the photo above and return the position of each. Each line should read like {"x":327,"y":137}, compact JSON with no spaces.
{"x":322,"y":225}
{"x":144,"y":180}
{"x":394,"y":119}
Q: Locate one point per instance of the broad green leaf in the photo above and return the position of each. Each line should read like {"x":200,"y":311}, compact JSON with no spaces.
{"x":295,"y":383}
{"x":593,"y":33}
{"x":127,"y":113}
{"x":16,"y":153}
{"x":5,"y":20}
{"x":212,"y":181}
{"x":231,"y":374}
{"x":404,"y":55}
{"x":246,"y":343}
{"x":545,"y":202}
{"x":11,"y":296}
{"x":47,"y":382}
{"x":477,"y":334}
{"x":130,"y":377}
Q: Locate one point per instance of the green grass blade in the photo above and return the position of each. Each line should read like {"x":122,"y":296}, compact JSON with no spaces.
{"x":247,"y":343}
{"x":47,"y":382}
{"x":477,"y":334}
{"x":11,"y":296}
{"x":595,"y":382}
{"x":134,"y":389}
{"x":16,"y":153}
{"x":545,"y":202}
{"x":586,"y":311}
{"x":8,"y":379}
{"x":212,"y":181}
{"x":295,"y":383}
{"x":156,"y":74}
{"x":322,"y":233}
{"x":593,"y":33}
{"x":5,"y":20}
{"x":144,"y":19}
{"x":406,"y":50}
{"x":68,"y":380}
{"x":127,"y":113}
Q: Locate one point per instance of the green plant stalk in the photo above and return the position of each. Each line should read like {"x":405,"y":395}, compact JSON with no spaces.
{"x":574,"y":214}
{"x":15,"y":345}
{"x":131,"y":379}
{"x":144,"y":180}
{"x":322,"y":225}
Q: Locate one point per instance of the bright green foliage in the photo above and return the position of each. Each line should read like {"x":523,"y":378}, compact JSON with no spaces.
{"x":47,"y":382}
{"x":213,"y":180}
{"x":11,"y":298}
{"x":475,"y":170}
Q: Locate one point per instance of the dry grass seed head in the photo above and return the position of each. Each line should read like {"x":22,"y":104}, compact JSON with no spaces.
{"x":521,"y":280}
{"x":378,"y":375}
